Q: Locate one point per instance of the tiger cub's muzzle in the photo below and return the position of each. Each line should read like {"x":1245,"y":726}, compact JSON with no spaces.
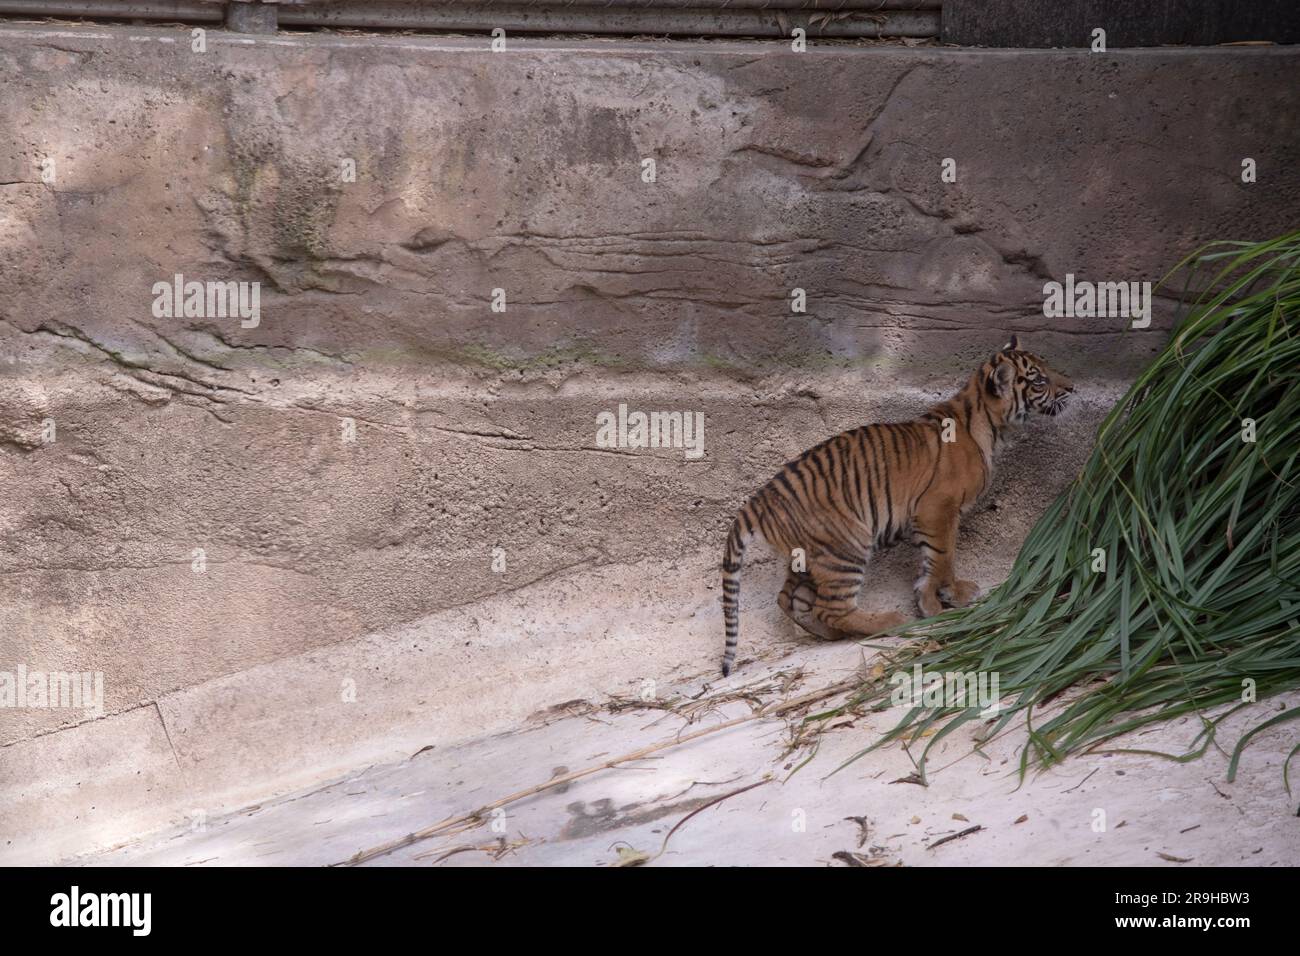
{"x":1058,"y":393}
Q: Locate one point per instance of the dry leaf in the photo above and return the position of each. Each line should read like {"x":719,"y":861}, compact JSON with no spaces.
{"x":629,"y":856}
{"x":860,"y":859}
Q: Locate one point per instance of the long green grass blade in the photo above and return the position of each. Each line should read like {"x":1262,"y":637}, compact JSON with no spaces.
{"x":1193,"y":493}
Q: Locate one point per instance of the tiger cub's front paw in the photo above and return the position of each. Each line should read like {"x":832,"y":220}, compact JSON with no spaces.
{"x":959,"y":593}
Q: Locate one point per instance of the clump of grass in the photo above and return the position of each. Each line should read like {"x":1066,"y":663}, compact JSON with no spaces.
{"x":1199,"y":602}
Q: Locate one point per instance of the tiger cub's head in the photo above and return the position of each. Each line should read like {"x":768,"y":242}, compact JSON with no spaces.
{"x":1022,"y":382}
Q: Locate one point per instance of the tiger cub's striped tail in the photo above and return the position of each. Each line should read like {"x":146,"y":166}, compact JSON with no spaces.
{"x":741,"y":533}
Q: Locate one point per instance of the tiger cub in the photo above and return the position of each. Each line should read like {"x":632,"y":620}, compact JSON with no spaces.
{"x":863,"y":489}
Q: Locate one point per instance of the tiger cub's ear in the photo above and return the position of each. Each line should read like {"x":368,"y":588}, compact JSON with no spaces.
{"x":1013,"y":345}
{"x":999,"y":378}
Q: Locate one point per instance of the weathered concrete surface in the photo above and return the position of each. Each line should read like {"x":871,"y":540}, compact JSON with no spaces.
{"x":1102,"y":809}
{"x":602,"y":625}
{"x":475,"y":430}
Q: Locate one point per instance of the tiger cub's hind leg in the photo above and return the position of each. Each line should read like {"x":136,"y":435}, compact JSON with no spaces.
{"x":837,"y":608}
{"x":797,"y":599}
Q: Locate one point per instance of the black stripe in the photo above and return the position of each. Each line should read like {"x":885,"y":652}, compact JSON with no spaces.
{"x":832,"y":452}
{"x":938,"y":459}
{"x":816,"y":462}
{"x":834,"y":475}
{"x":855,"y":472}
{"x":842,"y":594}
{"x":893,"y":440}
{"x":848,"y":560}
{"x":878,"y":471}
{"x":785,"y":483}
{"x":797,"y":470}
{"x":889,"y":505}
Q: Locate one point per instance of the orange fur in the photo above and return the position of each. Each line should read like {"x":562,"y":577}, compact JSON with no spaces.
{"x":866,"y":488}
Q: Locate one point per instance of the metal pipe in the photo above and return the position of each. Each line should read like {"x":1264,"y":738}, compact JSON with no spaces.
{"x":873,"y":5}
{"x":811,"y":5}
{"x":116,"y":9}
{"x":252,"y":17}
{"x":605,"y":20}
{"x":761,"y":18}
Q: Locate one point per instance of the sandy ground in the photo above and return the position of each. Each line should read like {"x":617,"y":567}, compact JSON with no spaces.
{"x":792,"y":800}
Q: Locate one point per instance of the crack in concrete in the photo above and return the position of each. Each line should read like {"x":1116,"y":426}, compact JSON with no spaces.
{"x":676,"y":458}
{"x":168,"y":734}
{"x":101,"y":569}
{"x":132,"y":367}
{"x":828,"y":169}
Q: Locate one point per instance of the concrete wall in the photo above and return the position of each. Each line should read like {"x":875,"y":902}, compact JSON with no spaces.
{"x":370,"y":561}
